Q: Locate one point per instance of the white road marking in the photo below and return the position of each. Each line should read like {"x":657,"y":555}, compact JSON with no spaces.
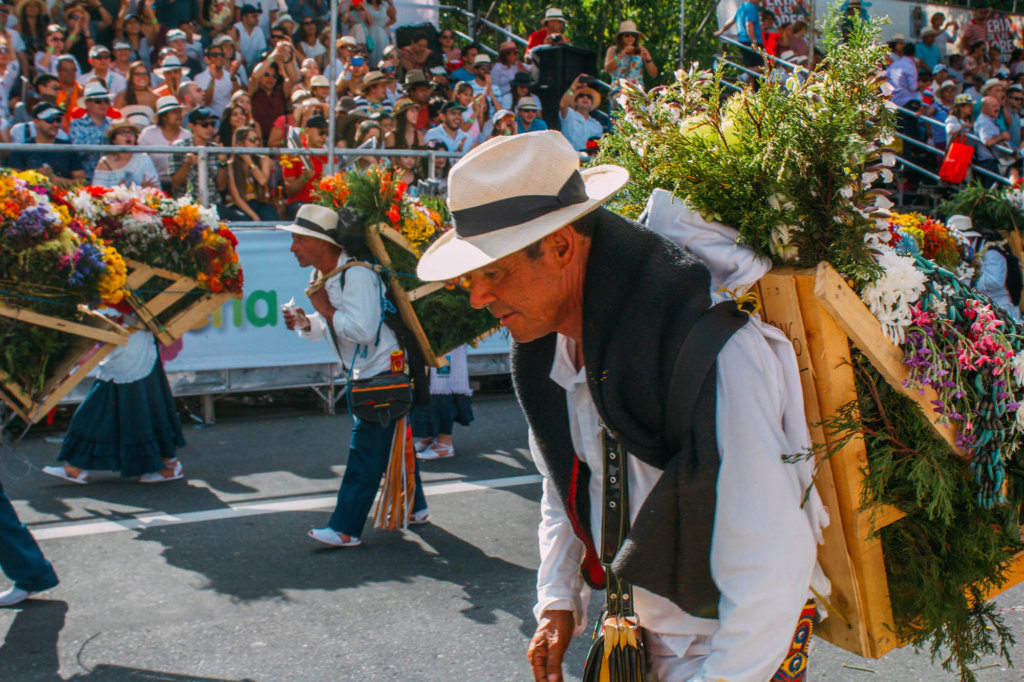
{"x":241,"y":509}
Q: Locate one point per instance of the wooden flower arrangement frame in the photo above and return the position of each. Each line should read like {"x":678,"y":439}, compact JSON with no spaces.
{"x":171,"y":311}
{"x":822,"y":316}
{"x":435,"y":357}
{"x":95,"y":336}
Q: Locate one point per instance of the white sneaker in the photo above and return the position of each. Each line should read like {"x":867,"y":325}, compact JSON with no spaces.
{"x":14,"y":596}
{"x":419,"y":518}
{"x":329,"y":536}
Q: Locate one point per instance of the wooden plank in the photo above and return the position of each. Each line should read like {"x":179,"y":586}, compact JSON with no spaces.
{"x":190,"y":318}
{"x":844,"y":627}
{"x":421,"y":291}
{"x":1014,"y":576}
{"x":828,"y":348}
{"x":70,"y":381}
{"x":89,"y":327}
{"x":856,"y":320}
{"x":404,"y":305}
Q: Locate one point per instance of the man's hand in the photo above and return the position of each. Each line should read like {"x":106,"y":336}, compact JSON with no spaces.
{"x":322,"y":304}
{"x":295,"y":318}
{"x":549,"y":644}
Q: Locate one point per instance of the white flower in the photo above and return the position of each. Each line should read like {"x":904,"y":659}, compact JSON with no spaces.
{"x":847,"y":191}
{"x":780,"y":242}
{"x":1019,"y":422}
{"x":891,"y":296}
{"x":888,"y":159}
{"x":882,"y":201}
{"x":887,"y":139}
{"x":887,"y":174}
{"x":868,"y":178}
{"x":886,"y":88}
{"x":1018,"y":368}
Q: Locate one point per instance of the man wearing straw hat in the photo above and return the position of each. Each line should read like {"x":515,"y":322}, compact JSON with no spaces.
{"x":349,"y":315}
{"x":616,"y":358}
{"x":574,"y":109}
{"x":552,"y":31}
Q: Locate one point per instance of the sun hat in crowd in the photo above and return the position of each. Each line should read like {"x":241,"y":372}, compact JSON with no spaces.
{"x":139,"y":114}
{"x":507,"y":46}
{"x":298,"y":94}
{"x":524,"y":78}
{"x":553,"y":14}
{"x":96,"y":92}
{"x":449,"y":106}
{"x":480,"y":60}
{"x":167,"y":103}
{"x":628,"y":27}
{"x":372,"y":78}
{"x":938,"y":68}
{"x":45,"y":111}
{"x":65,"y":58}
{"x":319,"y":81}
{"x":223,"y":38}
{"x":415,"y":77}
{"x":346,"y":40}
{"x":991,"y":83}
{"x":121,"y":45}
{"x":947,"y":84}
{"x":403,"y":105}
{"x":1015,"y":88}
{"x":500,"y":114}
{"x":282,"y":20}
{"x":176,"y":34}
{"x":508,"y":193}
{"x":201,"y":114}
{"x":170,"y":63}
{"x":898,"y":38}
{"x":929,"y":32}
{"x":249,"y":9}
{"x":528,"y":103}
{"x":963,"y":98}
{"x":315,"y":221}
{"x":318,"y":121}
{"x":97,"y":50}
{"x":119,"y":125}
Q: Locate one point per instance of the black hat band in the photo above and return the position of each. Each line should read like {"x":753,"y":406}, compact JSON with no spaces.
{"x":497,"y":215}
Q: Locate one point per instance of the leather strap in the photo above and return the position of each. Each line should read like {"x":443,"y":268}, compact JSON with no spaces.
{"x":615,"y":523}
{"x":321,"y":281}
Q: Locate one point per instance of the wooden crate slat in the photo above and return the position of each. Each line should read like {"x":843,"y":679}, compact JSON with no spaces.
{"x":90,"y":326}
{"x":177,"y":290}
{"x":421,"y":291}
{"x":1014,"y":576}
{"x":138,"y":274}
{"x":180,"y":286}
{"x":70,"y":381}
{"x":844,"y":627}
{"x":402,"y":302}
{"x":829,"y":351}
{"x":189,"y":319}
{"x":860,"y":325}
{"x":152,"y":270}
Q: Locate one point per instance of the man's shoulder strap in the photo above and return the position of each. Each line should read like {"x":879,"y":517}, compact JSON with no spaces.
{"x":706,"y":337}
{"x":321,"y":281}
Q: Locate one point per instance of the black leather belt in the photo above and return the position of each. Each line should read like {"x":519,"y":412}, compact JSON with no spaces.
{"x":615,"y":523}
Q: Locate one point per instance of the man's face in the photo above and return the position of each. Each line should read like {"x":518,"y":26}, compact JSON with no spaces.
{"x":307,"y":250}
{"x":100,"y":62}
{"x":321,"y":93}
{"x":215,"y":58}
{"x":96,"y":108}
{"x":556,"y":26}
{"x":66,"y":73}
{"x":453,"y":118}
{"x":469,"y":56}
{"x":316,"y":137}
{"x":173,"y":117}
{"x":179,"y":48}
{"x":527,"y":296}
{"x":48,"y":128}
{"x":49,"y":91}
{"x":123,"y":54}
{"x":375,"y":92}
{"x":989,"y":107}
{"x":189,"y":95}
{"x":172,"y":78}
{"x":203,"y":130}
{"x":584,"y":103}
{"x":250,"y":20}
{"x":998,"y":92}
{"x":1014,"y":100}
{"x":527,"y":116}
{"x":420,"y":93}
{"x":482,"y":71}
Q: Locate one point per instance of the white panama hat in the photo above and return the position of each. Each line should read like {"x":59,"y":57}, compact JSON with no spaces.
{"x":511,"y":192}
{"x":315,"y":221}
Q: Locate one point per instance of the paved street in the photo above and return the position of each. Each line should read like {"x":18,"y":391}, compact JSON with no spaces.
{"x":214,"y":579}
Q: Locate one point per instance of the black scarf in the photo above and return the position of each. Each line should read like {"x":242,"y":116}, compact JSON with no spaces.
{"x":642,"y":295}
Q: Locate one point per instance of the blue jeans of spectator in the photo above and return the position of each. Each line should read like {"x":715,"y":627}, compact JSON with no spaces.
{"x":20,"y":557}
{"x":367,"y":461}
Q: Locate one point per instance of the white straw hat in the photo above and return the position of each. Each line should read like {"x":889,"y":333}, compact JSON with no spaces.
{"x":315,"y":221}
{"x":511,"y":192}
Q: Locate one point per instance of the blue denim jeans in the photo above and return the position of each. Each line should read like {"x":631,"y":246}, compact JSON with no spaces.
{"x":367,"y":461}
{"x":20,"y":557}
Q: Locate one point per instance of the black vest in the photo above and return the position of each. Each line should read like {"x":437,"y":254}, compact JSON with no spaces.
{"x":641,"y":296}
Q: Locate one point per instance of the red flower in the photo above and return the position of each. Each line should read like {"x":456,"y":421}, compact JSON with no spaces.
{"x":229,"y":235}
{"x":400,"y":191}
{"x":393,"y":214}
{"x":97,"y":192}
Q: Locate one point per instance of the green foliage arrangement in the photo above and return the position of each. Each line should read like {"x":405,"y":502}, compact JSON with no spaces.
{"x":995,"y":209}
{"x":947,"y":551}
{"x":792,"y":166}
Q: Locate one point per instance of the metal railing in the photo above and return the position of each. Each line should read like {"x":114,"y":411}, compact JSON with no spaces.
{"x":474,"y":20}
{"x":904,"y":138}
{"x":203,"y":152}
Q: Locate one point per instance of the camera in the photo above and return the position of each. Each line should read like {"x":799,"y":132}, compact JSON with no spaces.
{"x":557,"y":37}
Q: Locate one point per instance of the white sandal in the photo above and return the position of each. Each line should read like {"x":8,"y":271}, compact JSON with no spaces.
{"x":60,"y":472}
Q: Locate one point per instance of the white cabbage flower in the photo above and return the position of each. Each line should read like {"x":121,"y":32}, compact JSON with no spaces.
{"x":891,"y":296}
{"x":780,"y":243}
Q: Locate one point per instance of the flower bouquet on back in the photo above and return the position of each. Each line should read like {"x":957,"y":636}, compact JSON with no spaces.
{"x":906,"y":370}
{"x":182,"y":259}
{"x":51,"y":268}
{"x":400,"y":230}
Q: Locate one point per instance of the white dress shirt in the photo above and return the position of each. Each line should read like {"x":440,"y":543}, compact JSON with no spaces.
{"x":356,"y":322}
{"x":763,"y":556}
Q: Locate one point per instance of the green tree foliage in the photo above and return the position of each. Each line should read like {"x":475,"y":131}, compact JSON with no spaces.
{"x":592,"y":24}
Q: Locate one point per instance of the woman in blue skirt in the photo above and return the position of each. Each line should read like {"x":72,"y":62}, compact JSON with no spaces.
{"x":127,"y":422}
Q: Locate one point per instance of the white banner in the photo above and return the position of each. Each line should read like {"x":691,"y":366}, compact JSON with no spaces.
{"x":250,"y":333}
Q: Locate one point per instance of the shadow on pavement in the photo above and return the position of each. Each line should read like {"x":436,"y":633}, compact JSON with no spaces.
{"x":29,"y":650}
{"x":277,"y":557}
{"x":116,"y":673}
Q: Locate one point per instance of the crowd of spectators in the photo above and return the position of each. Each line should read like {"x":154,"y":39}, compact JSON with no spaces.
{"x":233,"y":74}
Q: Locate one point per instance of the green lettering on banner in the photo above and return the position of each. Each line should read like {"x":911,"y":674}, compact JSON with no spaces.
{"x":269,"y":316}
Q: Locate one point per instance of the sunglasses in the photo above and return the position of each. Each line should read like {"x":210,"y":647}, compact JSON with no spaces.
{"x":216,"y":54}
{"x":447,"y":37}
{"x":308,"y":22}
{"x":206,"y":124}
{"x":58,"y":39}
{"x":102,"y":56}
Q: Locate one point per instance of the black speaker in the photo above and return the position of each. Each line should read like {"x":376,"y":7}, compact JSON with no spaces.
{"x":559,"y":65}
